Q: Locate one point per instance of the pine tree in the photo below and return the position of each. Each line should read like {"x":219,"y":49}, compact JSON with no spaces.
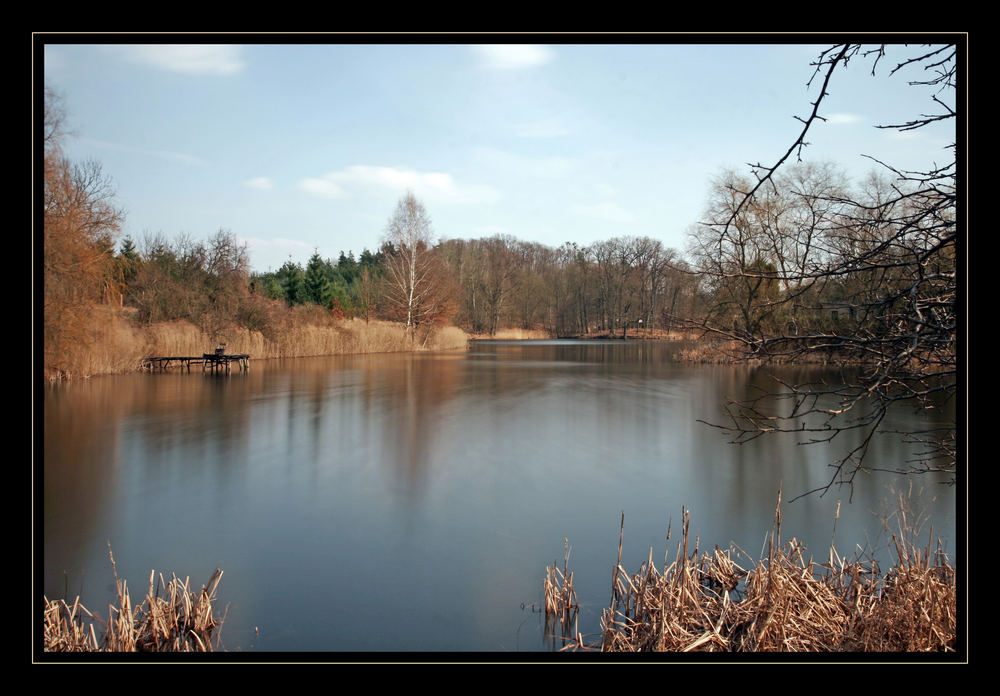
{"x":316,"y":284}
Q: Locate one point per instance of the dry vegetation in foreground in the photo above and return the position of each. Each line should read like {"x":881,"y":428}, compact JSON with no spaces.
{"x":710,"y":602}
{"x":170,"y":618}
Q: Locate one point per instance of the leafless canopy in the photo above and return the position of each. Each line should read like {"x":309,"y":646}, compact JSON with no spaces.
{"x":802,"y":266}
{"x":413,"y":275}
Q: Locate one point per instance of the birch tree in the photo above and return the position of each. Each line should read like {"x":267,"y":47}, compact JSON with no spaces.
{"x":413,"y":279}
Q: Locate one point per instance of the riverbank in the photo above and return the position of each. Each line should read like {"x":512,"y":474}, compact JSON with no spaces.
{"x":713,"y":351}
{"x":633,"y":334}
{"x":513,"y":335}
{"x":117,"y":345}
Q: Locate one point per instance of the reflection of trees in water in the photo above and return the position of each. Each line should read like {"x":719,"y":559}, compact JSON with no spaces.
{"x":744,"y":474}
{"x":603,"y":352}
{"x":80,"y":440}
{"x":409,"y":397}
{"x":193,"y":414}
{"x":814,"y":404}
{"x":109,"y":435}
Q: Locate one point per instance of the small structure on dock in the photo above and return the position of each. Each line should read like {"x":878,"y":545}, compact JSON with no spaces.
{"x":216,"y":361}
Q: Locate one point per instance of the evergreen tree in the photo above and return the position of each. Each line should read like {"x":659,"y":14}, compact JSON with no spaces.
{"x":290,"y":277}
{"x":316,"y":285}
{"x":347,"y":267}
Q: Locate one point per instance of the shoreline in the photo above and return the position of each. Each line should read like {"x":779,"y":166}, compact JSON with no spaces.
{"x":118,"y":345}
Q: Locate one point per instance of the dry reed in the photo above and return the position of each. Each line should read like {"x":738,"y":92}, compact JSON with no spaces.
{"x":302,"y":339}
{"x":782,"y":602}
{"x":514,"y":334}
{"x":728,"y":352}
{"x":118,"y":345}
{"x":716,"y":352}
{"x":171,"y":618}
{"x":561,"y":605}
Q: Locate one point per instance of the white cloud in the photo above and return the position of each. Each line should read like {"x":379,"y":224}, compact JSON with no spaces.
{"x":842,"y":119}
{"x":259,"y":182}
{"x":607,"y":211}
{"x":605,"y":190}
{"x":322,"y":186}
{"x":181,"y":157}
{"x":436,"y":185}
{"x":513,"y":56}
{"x":198,"y":59}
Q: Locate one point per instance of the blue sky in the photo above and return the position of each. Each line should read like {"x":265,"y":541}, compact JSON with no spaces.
{"x":304,"y":147}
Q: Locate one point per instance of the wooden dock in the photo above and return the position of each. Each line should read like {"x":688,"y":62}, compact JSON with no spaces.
{"x":217,"y":361}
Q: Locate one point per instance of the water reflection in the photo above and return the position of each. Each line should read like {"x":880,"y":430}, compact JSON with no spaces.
{"x":412,"y":502}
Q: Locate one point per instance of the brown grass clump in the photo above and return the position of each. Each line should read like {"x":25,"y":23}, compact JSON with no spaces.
{"x":714,"y":352}
{"x":783,"y":602}
{"x":561,"y":605}
{"x":170,"y":618}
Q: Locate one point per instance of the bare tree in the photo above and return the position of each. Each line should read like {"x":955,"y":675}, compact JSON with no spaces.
{"x":369,"y":289}
{"x":80,"y":225}
{"x":869,"y":277}
{"x":501,"y":269}
{"x":414,"y":281}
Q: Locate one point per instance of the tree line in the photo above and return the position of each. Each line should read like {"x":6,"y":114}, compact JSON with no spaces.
{"x":798,"y":263}
{"x":790,"y":261}
{"x":759,"y":276}
{"x":482,"y":285}
{"x":607,"y":287}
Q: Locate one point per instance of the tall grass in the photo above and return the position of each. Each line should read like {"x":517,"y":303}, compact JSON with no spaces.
{"x":561,"y":605}
{"x":170,"y":618}
{"x":117,"y":344}
{"x":723,"y":601}
{"x":515,"y":334}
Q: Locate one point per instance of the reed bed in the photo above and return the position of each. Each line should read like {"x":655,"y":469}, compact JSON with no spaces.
{"x":303,"y":339}
{"x":514,"y":334}
{"x":723,"y":601}
{"x":111,"y":344}
{"x":561,"y":606}
{"x":118,"y":345}
{"x":172,"y":617}
{"x":716,"y":352}
{"x":708,"y":351}
{"x":637,"y":334}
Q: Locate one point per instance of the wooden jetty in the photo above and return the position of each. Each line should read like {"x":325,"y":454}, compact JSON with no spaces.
{"x":216,"y":361}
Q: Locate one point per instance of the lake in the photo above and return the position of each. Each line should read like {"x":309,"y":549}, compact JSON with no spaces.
{"x":411,"y":502}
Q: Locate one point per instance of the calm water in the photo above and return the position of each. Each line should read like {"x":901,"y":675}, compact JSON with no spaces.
{"x":412,"y":502}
